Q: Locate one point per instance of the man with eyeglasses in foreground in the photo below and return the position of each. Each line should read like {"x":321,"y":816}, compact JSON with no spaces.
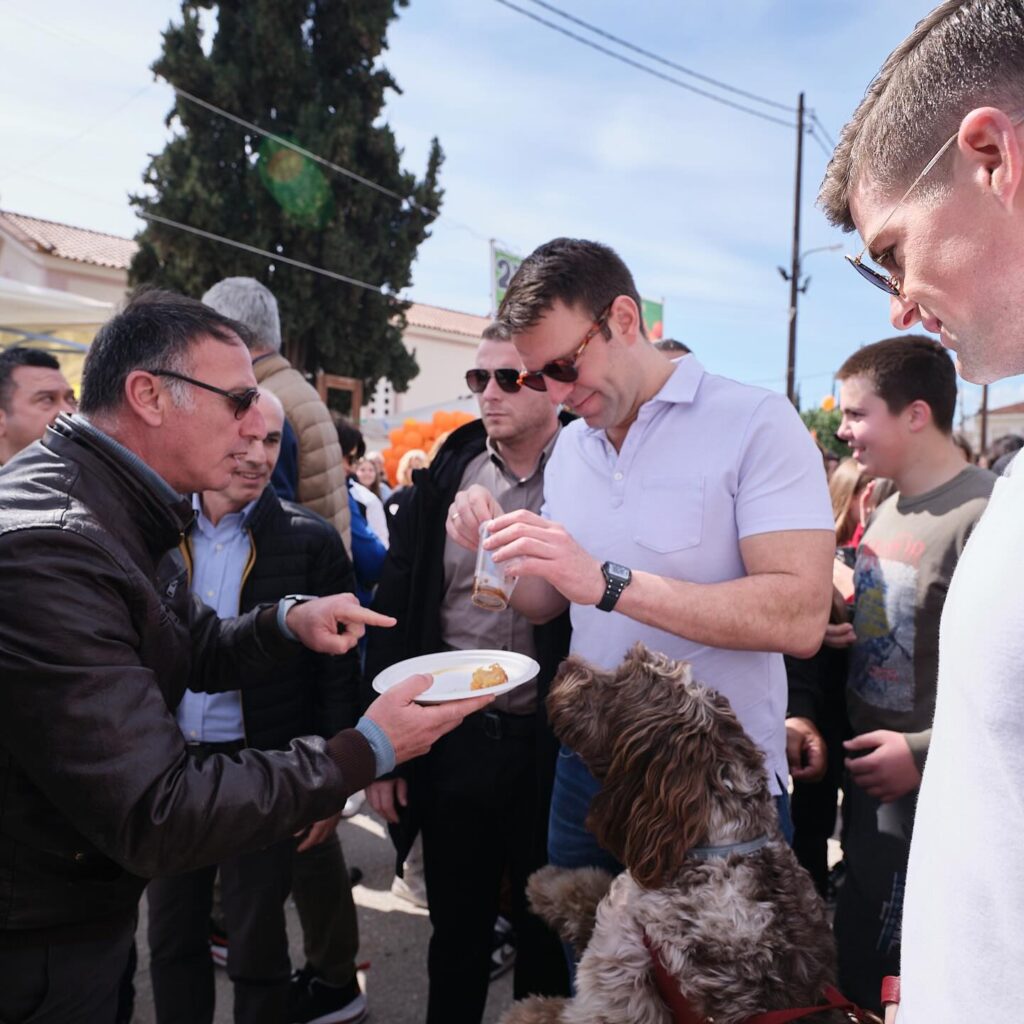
{"x":480,"y":796}
{"x":683,"y":510}
{"x":930,"y":172}
{"x":99,"y":637}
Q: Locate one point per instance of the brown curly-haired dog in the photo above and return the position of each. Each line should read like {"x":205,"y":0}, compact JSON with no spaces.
{"x":740,"y":933}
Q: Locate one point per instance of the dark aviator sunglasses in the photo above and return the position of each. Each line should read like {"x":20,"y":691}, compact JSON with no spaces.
{"x":243,"y":401}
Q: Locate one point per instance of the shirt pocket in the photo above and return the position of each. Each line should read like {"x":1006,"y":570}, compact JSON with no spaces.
{"x":671,"y":514}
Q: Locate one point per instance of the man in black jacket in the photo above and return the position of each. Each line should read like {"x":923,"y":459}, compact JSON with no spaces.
{"x":247,"y":548}
{"x":99,"y":636}
{"x":480,"y":797}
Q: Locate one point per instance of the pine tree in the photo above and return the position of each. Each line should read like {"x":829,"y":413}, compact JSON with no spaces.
{"x":308,"y":71}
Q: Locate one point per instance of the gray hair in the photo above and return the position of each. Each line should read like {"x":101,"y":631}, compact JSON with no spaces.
{"x":246,"y":300}
{"x":965,"y":54}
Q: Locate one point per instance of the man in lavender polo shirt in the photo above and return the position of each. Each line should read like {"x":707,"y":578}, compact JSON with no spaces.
{"x":683,"y":509}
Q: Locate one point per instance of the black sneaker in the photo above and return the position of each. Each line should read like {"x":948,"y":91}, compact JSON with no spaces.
{"x":503,"y":947}
{"x":312,"y":1001}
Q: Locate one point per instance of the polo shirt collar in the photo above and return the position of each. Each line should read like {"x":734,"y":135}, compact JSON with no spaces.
{"x":495,"y":454}
{"x":681,"y":387}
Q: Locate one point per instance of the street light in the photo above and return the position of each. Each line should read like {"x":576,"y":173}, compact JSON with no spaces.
{"x":796,"y":286}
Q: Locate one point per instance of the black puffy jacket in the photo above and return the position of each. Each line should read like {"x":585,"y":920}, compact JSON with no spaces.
{"x":295,"y":551}
{"x":99,"y":637}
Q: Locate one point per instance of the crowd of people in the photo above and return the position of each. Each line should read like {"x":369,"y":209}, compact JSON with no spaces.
{"x":202,"y":571}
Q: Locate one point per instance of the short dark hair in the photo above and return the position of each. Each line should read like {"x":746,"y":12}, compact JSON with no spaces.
{"x":350,"y":437}
{"x":1003,"y":445}
{"x":495,"y":331}
{"x":11,"y":359}
{"x":671,"y":345}
{"x":908,"y":369}
{"x":568,"y":270}
{"x":156,"y":328}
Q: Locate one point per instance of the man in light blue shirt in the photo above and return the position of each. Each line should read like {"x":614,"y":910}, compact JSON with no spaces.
{"x":681,"y":509}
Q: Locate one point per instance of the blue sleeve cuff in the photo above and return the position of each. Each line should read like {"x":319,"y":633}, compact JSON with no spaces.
{"x":383,"y":752}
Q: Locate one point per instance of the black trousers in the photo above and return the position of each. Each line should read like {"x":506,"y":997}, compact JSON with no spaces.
{"x":65,"y":983}
{"x":869,"y":903}
{"x":254,"y":887}
{"x":479,"y":818}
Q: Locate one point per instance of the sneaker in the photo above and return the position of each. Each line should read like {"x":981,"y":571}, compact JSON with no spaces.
{"x":218,"y":946}
{"x":503,"y":947}
{"x":354,"y":804}
{"x":312,"y":1001}
{"x":414,"y":893}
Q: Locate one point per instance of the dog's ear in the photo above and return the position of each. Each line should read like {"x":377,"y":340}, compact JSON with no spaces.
{"x":652,"y":812}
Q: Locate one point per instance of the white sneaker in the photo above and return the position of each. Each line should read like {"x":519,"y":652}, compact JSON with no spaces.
{"x":354,"y":804}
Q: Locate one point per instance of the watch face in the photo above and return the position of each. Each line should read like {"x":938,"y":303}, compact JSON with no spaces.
{"x":616,"y":571}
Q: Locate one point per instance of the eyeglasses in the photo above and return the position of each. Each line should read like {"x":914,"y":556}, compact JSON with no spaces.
{"x":564,"y":370}
{"x":888,"y":282}
{"x":243,"y":401}
{"x":506,"y":379}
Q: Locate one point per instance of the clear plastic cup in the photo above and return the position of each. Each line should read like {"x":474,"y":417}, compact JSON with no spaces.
{"x":492,"y":588}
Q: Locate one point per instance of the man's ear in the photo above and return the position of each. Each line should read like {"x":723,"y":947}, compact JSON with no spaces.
{"x":919,"y":415}
{"x":145,"y":397}
{"x":988,"y":141}
{"x":3,"y":423}
{"x":626,"y":317}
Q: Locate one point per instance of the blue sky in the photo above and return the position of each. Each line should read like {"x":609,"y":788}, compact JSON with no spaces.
{"x":542,"y":137}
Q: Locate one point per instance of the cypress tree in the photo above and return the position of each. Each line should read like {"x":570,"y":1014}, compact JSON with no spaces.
{"x":308,"y":71}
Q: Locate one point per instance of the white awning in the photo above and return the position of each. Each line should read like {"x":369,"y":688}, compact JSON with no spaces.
{"x":34,"y":308}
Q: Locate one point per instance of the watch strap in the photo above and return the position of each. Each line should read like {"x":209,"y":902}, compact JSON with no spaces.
{"x":613,"y":588}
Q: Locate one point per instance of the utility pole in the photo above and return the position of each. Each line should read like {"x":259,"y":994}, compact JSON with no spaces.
{"x":794,"y":279}
{"x":983,"y":439}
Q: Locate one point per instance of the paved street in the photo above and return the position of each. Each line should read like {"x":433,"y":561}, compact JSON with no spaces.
{"x":393,"y":939}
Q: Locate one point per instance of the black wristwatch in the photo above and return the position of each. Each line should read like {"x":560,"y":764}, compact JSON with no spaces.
{"x":616,"y":579}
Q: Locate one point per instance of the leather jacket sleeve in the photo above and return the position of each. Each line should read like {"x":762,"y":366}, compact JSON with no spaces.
{"x":91,"y":660}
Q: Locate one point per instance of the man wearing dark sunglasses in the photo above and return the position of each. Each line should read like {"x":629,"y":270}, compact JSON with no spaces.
{"x":685,"y":510}
{"x":930,"y":172}
{"x":99,"y":638}
{"x":475,"y":797}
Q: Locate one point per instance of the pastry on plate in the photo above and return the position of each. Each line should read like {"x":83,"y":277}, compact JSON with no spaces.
{"x":486,"y":677}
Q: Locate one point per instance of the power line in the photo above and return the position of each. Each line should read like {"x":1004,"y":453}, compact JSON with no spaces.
{"x":814,"y":135}
{"x":276,"y":257}
{"x":662,"y":60}
{"x":823,"y":130}
{"x":643,"y":67}
{"x":299,"y":149}
{"x":91,"y":127}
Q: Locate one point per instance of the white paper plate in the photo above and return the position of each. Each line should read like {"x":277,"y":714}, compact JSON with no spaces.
{"x":453,"y":672}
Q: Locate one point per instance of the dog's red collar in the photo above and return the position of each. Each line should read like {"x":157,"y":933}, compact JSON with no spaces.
{"x":683,"y":1013}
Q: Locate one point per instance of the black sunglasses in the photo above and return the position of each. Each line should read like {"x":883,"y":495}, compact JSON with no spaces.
{"x":506,"y":379}
{"x":243,"y":401}
{"x":564,"y":370}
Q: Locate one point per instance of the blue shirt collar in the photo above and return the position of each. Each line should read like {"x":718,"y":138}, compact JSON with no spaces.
{"x":231,"y":521}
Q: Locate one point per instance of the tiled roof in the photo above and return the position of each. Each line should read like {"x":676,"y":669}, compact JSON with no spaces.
{"x":70,"y":243}
{"x":1017,"y":407}
{"x":438,"y":319}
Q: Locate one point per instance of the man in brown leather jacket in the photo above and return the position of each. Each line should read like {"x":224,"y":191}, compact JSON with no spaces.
{"x":99,"y":636}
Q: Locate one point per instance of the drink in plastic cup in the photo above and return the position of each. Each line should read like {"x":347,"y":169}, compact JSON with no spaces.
{"x":492,"y":589}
